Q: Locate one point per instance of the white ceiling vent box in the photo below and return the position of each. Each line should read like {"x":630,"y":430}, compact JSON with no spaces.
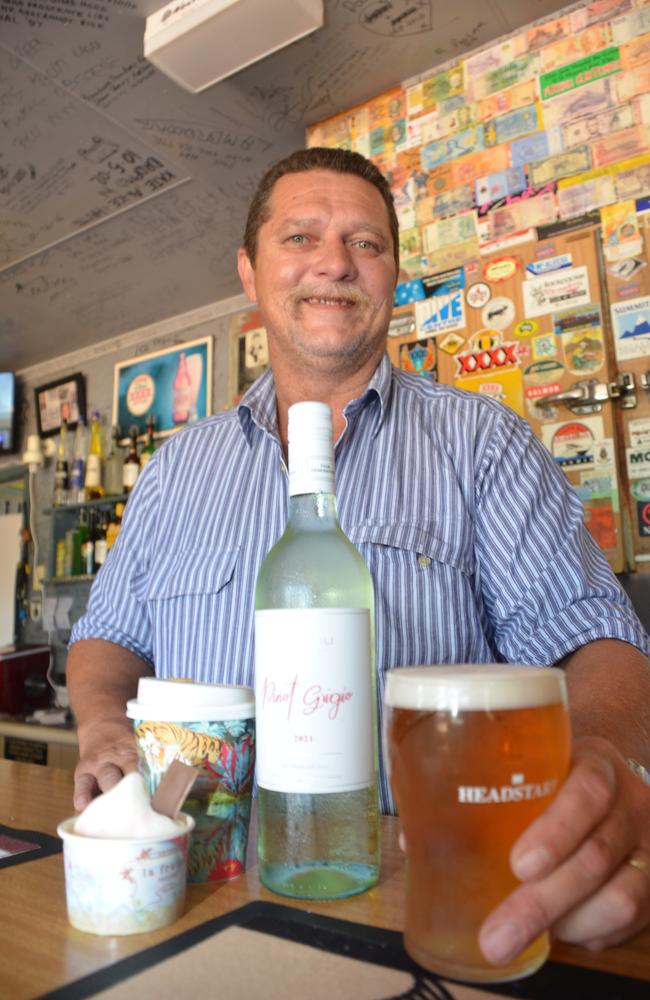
{"x":199,"y":42}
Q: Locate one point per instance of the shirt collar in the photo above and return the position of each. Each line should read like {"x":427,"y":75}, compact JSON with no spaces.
{"x":258,"y":407}
{"x":378,"y":388}
{"x":258,"y":404}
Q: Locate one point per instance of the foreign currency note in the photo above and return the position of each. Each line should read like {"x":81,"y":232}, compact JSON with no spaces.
{"x":572,"y":162}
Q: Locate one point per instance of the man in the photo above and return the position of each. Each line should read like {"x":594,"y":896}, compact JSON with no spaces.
{"x":476,"y":545}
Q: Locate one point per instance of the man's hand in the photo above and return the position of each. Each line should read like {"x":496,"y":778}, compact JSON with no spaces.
{"x":108,"y":752}
{"x":574,"y":861}
{"x":101,"y":677}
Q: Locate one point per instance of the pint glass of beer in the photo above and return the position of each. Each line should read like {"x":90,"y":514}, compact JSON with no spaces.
{"x":474,"y":753}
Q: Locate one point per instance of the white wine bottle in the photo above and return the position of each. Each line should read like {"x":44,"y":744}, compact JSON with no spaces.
{"x":315,"y":691}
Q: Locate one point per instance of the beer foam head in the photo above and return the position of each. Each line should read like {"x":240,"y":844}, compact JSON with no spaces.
{"x":474,"y":687}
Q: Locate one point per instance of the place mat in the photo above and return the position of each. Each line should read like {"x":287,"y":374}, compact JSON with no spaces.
{"x":17,"y":846}
{"x":267,"y":950}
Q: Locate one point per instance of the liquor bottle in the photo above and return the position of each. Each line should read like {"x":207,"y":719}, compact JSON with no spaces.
{"x":94,"y":487}
{"x":101,"y":544}
{"x":131,"y":467}
{"x":181,"y":392}
{"x":60,"y":558}
{"x":315,"y":691}
{"x":88,"y":547}
{"x":78,"y":470}
{"x":61,"y":470}
{"x":114,"y":525}
{"x":113,"y":466}
{"x":149,"y":446}
{"x":79,"y":538}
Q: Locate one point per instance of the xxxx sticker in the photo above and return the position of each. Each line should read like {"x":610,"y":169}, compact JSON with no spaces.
{"x":488,"y":352}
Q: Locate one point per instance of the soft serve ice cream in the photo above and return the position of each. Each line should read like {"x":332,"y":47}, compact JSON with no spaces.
{"x":125,"y":813}
{"x":125,"y":863}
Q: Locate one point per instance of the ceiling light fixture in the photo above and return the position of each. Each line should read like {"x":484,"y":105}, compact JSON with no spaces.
{"x":199,"y":42}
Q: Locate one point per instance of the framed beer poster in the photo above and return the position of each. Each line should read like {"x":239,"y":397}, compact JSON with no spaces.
{"x":174,"y":386}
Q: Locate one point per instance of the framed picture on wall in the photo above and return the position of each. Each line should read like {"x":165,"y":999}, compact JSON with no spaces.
{"x":249,"y":355}
{"x":66,"y":397}
{"x":174,"y":386}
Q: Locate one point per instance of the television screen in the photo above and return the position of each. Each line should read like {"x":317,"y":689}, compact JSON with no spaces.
{"x":7,"y":411}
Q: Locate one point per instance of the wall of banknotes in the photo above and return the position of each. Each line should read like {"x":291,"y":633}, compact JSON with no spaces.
{"x":521,"y":178}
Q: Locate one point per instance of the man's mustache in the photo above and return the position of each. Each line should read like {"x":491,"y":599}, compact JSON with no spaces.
{"x":334,"y":290}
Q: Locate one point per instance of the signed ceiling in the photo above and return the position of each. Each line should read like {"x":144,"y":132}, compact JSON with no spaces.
{"x":123,"y":198}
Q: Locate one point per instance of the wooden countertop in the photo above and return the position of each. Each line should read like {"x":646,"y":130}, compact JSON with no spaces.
{"x":37,"y":731}
{"x":39,"y":950}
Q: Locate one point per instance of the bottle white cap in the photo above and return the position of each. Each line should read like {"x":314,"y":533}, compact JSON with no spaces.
{"x":311,"y":449}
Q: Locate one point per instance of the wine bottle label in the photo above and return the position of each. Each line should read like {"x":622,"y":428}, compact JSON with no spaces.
{"x":88,"y":557}
{"x":100,"y":551}
{"x":93,"y":470}
{"x":129,"y":474}
{"x":313,"y":696}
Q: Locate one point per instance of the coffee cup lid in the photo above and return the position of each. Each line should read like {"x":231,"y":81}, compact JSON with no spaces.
{"x":185,"y":701}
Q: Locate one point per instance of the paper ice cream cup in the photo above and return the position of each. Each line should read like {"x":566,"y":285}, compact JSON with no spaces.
{"x":124,"y":886}
{"x":211,"y":727}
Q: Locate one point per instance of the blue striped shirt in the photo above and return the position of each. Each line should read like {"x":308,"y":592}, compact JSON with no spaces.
{"x":474,"y":538}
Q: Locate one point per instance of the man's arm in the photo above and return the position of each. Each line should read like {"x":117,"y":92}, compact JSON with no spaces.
{"x":574,"y":859}
{"x":101,"y":677}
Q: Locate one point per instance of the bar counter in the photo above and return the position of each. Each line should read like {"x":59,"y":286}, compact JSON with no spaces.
{"x":41,"y":952}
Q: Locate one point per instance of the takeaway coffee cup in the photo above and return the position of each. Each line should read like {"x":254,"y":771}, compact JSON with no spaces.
{"x":211,"y":727}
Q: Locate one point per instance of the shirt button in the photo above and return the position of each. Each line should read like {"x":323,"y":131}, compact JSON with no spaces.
{"x":424,"y":561}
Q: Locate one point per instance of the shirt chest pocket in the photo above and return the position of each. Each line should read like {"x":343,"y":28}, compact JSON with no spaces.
{"x":186,"y":573}
{"x":426,"y":610}
{"x":413,"y":546}
{"x":196,"y":614}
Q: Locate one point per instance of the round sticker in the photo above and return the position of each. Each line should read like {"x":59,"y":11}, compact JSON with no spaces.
{"x":500,"y":269}
{"x":478,"y":295}
{"x":526,"y":328}
{"x":640,"y":489}
{"x":499,"y":312}
{"x":140,"y":395}
{"x":573,"y":445}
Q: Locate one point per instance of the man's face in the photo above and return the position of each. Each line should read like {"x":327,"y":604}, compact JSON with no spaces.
{"x":324,"y":273}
